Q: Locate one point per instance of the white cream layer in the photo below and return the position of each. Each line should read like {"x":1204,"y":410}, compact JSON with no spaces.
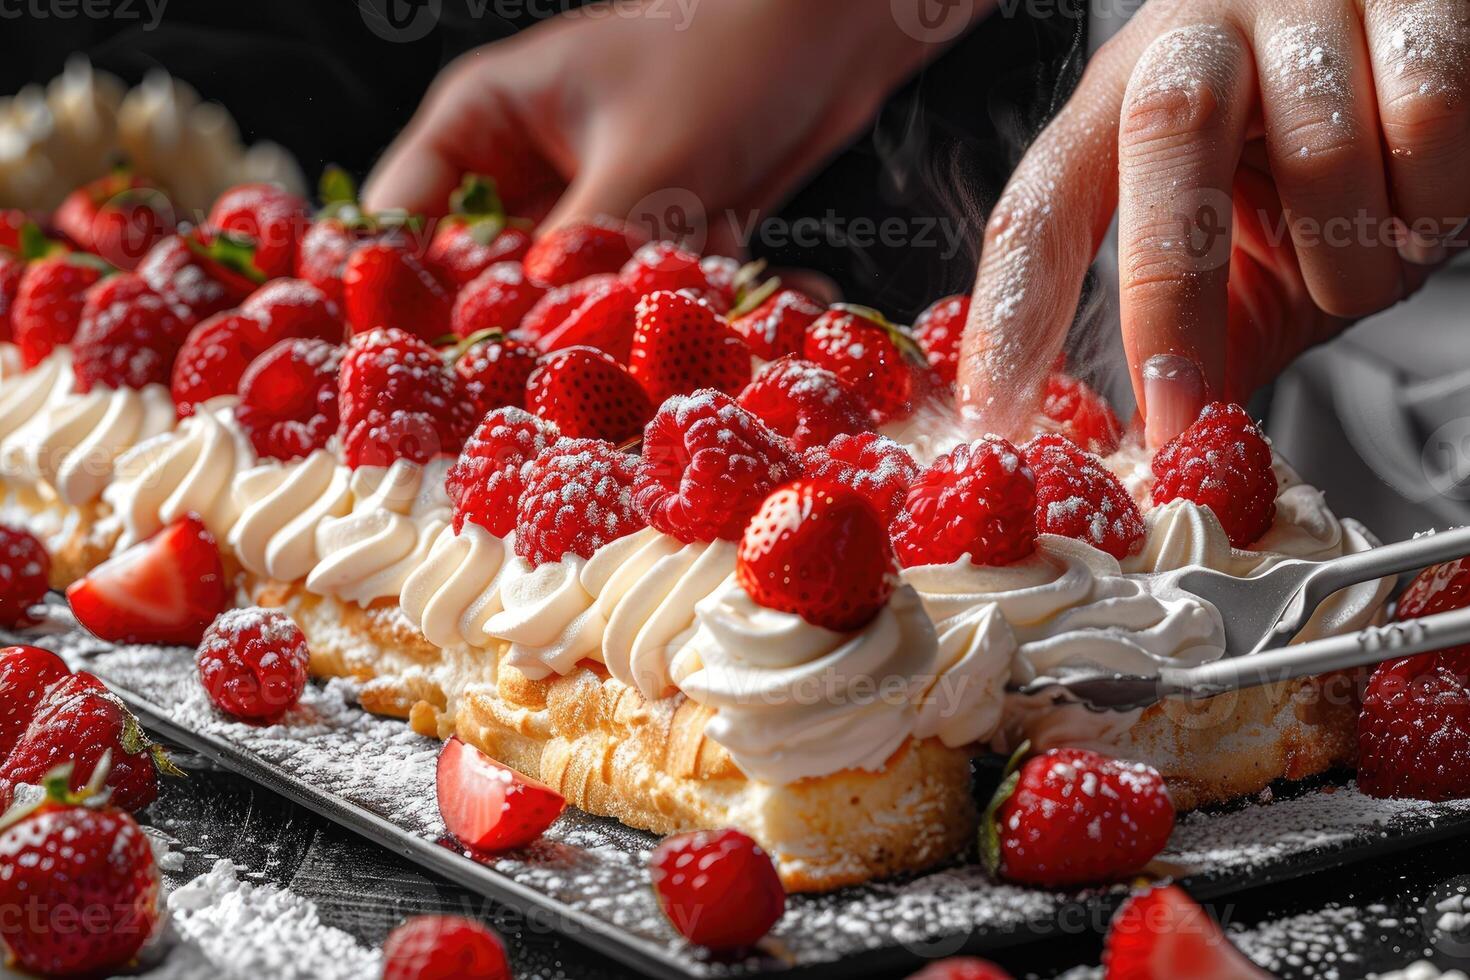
{"x":281,"y":506}
{"x":453,"y":594}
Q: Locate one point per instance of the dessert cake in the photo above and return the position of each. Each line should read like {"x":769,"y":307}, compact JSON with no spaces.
{"x":465,"y":531}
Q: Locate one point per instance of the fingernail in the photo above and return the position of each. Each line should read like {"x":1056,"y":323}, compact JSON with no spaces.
{"x":1173,"y":393}
{"x":1419,"y":250}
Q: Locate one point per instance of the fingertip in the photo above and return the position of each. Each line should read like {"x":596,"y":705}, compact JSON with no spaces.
{"x":1174,"y":393}
{"x":412,"y":179}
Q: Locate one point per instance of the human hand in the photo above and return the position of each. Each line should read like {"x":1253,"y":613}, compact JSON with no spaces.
{"x":1335,"y":131}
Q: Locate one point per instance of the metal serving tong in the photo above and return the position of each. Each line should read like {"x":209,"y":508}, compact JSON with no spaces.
{"x":1263,"y":614}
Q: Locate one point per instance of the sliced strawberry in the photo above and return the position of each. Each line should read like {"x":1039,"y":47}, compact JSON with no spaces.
{"x":579,"y":250}
{"x":166,"y":589}
{"x":489,"y":807}
{"x":386,"y":285}
{"x":588,"y":395}
{"x":1163,"y":934}
{"x":681,"y":345}
{"x":25,"y":675}
{"x":594,"y":312}
{"x":271,"y":218}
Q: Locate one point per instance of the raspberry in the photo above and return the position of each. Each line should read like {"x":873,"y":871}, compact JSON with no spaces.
{"x":818,"y":549}
{"x":977,"y":500}
{"x":579,"y":250}
{"x":718,"y":888}
{"x":25,"y":570}
{"x":444,"y":947}
{"x":663,"y":265}
{"x":129,"y":335}
{"x":707,"y":466}
{"x":577,"y":498}
{"x":253,"y":663}
{"x":398,"y":400}
{"x":487,"y":479}
{"x":1078,"y":497}
{"x":939,"y":330}
{"x":1222,"y":462}
{"x":498,"y":299}
{"x":288,"y":398}
{"x":1082,"y":414}
{"x":494,"y":373}
{"x":873,"y":465}
{"x":807,"y":404}
{"x":778,"y":326}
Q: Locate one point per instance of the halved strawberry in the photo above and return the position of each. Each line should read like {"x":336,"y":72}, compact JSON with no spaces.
{"x":386,"y":285}
{"x":166,"y":589}
{"x":1163,"y":934}
{"x":588,"y":395}
{"x":681,"y":345}
{"x":490,"y":807}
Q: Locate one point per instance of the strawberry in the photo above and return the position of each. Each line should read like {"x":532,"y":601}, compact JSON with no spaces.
{"x":1081,"y":414}
{"x":1162,"y":934}
{"x":325,"y":247}
{"x":25,"y":572}
{"x":680,"y":345}
{"x":807,"y":404}
{"x":595,"y":312}
{"x":78,"y":721}
{"x":938,"y":331}
{"x":72,"y":861}
{"x":718,"y":888}
{"x":444,"y":947}
{"x":663,"y":266}
{"x":48,"y":303}
{"x":385,"y":285}
{"x":270,"y":218}
{"x":579,"y":250}
{"x":25,"y":675}
{"x":961,"y":968}
{"x":498,"y":299}
{"x":288,"y":398}
{"x":129,"y":335}
{"x":494,"y":371}
{"x":398,"y":399}
{"x":588,"y":395}
{"x":207,"y":275}
{"x":12,"y":268}
{"x":872,"y":355}
{"x":777,"y":326}
{"x":489,"y":807}
{"x":818,"y":549}
{"x":166,"y":589}
{"x":725,"y":281}
{"x":476,"y":234}
{"x":1071,"y":817}
{"x":118,"y":217}
{"x":13,"y":223}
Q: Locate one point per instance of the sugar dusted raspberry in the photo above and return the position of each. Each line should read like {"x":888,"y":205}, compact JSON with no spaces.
{"x":1078,"y":497}
{"x":441,"y":947}
{"x":1081,"y":414}
{"x":399,"y":400}
{"x":288,"y":398}
{"x":873,"y":465}
{"x":1222,"y":462}
{"x":129,"y":335}
{"x":979,"y":500}
{"x":486,"y":481}
{"x":25,"y":568}
{"x":718,"y":888}
{"x":938,"y":331}
{"x":253,"y":663}
{"x":807,"y":404}
{"x":577,"y":498}
{"x":707,"y":466}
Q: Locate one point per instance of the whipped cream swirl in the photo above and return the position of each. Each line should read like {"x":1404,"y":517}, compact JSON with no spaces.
{"x":397,"y":512}
{"x":453,"y":594}
{"x":793,"y":700}
{"x":28,"y":393}
{"x":281,"y":506}
{"x":548,"y":617}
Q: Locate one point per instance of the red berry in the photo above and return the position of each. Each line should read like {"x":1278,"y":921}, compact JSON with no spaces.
{"x":818,"y":549}
{"x":1078,"y":497}
{"x":252,"y":663}
{"x":25,"y":573}
{"x":722,"y":281}
{"x":807,"y":404}
{"x":399,"y":400}
{"x":979,"y":500}
{"x":681,"y":344}
{"x":460,"y":252}
{"x":11,"y":271}
{"x":386,"y":285}
{"x":118,"y":217}
{"x":718,"y":888}
{"x":489,"y":807}
{"x":498,"y":299}
{"x":166,"y":589}
{"x":26,"y":673}
{"x":444,"y":947}
{"x":939,"y":330}
{"x":1082,"y":415}
{"x":778,"y":326}
{"x":873,"y":465}
{"x":868,"y":353}
{"x":1222,"y":462}
{"x":494,"y":373}
{"x":269,"y":217}
{"x":663,"y":266}
{"x":486,"y":481}
{"x":321,"y":257}
{"x":204,"y":276}
{"x":1077,"y":818}
{"x":288,"y":398}
{"x":577,"y":497}
{"x":588,"y":395}
{"x":84,"y":887}
{"x":961,"y":968}
{"x":129,"y":335}
{"x":708,"y":464}
{"x":579,"y":250}
{"x":12,"y":224}
{"x":48,"y":304}
{"x":595,"y":312}
{"x":1164,"y":934}
{"x":294,"y":308}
